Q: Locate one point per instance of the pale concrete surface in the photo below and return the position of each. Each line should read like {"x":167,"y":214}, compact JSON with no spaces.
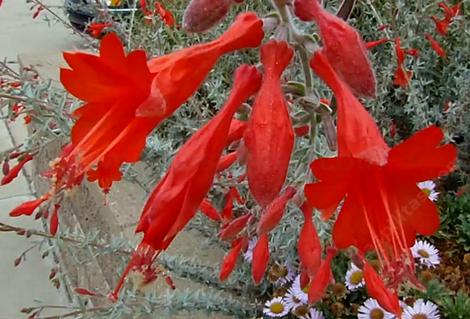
{"x":28,"y":283}
{"x":21,"y":286}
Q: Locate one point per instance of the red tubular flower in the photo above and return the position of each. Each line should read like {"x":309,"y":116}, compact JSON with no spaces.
{"x":28,"y":208}
{"x":269,"y":137}
{"x":226,"y":161}
{"x":15,"y":170}
{"x":180,"y":192}
{"x":54,"y":224}
{"x":372,"y":44}
{"x":402,"y":76}
{"x":166,"y":15}
{"x":309,"y":245}
{"x":343,"y":46}
{"x":126,"y":98}
{"x":96,"y":29}
{"x":322,"y":279}
{"x":442,"y":25}
{"x":232,"y":194}
{"x":209,"y":210}
{"x":233,"y":228}
{"x":260,"y":258}
{"x":230,"y":260}
{"x":273,"y":213}
{"x":435,"y":45}
{"x":383,"y":207}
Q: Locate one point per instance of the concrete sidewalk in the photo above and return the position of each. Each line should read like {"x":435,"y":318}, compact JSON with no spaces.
{"x":28,"y":283}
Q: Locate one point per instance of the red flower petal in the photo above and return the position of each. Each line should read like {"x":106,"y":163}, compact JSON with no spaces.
{"x":234,"y":227}
{"x":269,"y":137}
{"x":322,"y":279}
{"x":209,"y":210}
{"x":377,"y":290}
{"x":28,"y":208}
{"x":273,"y":213}
{"x":309,"y":246}
{"x":260,"y":258}
{"x":421,"y":157}
{"x":229,"y":261}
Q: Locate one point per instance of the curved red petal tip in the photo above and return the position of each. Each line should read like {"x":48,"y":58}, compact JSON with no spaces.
{"x":85,"y":292}
{"x":229,"y":261}
{"x":54,"y":224}
{"x":377,"y":290}
{"x":260,"y":258}
{"x":28,"y":208}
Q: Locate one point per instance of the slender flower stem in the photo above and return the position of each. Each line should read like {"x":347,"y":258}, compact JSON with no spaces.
{"x":75,"y":313}
{"x":10,"y":228}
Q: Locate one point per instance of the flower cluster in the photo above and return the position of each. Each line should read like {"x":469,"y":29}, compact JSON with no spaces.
{"x":379,"y":197}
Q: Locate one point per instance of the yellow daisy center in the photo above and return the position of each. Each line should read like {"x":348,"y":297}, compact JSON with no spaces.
{"x":356,"y":277}
{"x":276,"y":308}
{"x":423,"y":253}
{"x":427,"y":191}
{"x":377,"y":314}
{"x":419,"y":316}
{"x":306,"y":288}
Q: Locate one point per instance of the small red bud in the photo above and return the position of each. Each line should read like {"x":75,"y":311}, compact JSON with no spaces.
{"x":52,"y":273}
{"x":169,"y":282}
{"x":85,"y":292}
{"x":26,"y":310}
{"x":38,"y":215}
{"x":6,"y":167}
{"x":17,"y":261}
{"x":56,"y":283}
{"x":21,"y":232}
{"x":201,"y":15}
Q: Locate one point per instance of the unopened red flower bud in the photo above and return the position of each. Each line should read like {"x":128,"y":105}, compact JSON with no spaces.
{"x":38,"y":215}
{"x":201,"y":15}
{"x":52,"y":273}
{"x":56,"y":283}
{"x":21,"y":232}
{"x":169,"y":282}
{"x":6,"y":167}
{"x":26,"y":310}
{"x":17,"y":261}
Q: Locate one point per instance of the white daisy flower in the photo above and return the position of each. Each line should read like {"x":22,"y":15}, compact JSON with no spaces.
{"x":354,"y":278}
{"x":275,"y":308}
{"x":427,"y":254}
{"x":315,"y":314}
{"x":429,"y":188}
{"x":248,"y":255}
{"x":372,"y":310}
{"x":292,"y":301}
{"x":297,"y":291}
{"x":422,"y":310}
{"x":287,"y":274}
